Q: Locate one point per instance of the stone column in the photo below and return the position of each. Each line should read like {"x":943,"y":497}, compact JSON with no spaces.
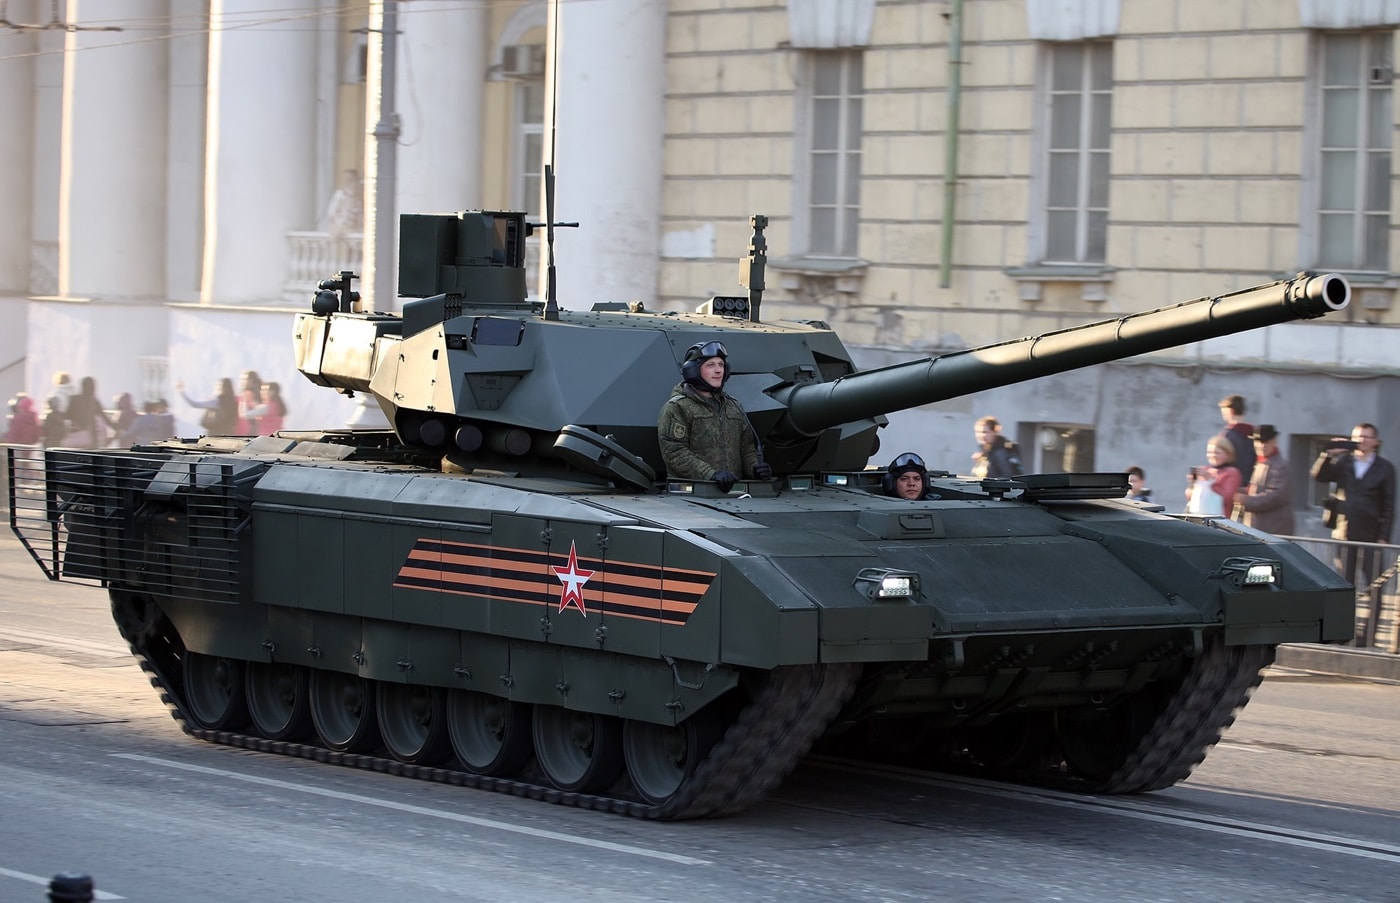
{"x":112,"y":193}
{"x":17,"y":64}
{"x":260,"y":167}
{"x":609,"y":127}
{"x":441,"y":76}
{"x":185,"y":149}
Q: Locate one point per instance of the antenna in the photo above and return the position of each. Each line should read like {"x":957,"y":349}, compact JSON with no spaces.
{"x":551,"y":287}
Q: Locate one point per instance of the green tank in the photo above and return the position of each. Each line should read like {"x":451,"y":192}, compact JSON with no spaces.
{"x":505,"y":591}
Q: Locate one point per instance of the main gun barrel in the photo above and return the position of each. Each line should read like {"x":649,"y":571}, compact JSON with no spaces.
{"x":813,"y":407}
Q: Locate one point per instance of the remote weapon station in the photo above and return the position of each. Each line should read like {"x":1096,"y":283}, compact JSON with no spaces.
{"x":505,"y":591}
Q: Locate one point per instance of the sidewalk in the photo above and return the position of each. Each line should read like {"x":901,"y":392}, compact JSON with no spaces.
{"x":1337,"y":661}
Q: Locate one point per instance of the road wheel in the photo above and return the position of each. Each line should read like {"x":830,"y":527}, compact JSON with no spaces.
{"x":579,"y":751}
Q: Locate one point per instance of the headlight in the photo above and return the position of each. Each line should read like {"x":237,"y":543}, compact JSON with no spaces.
{"x":882,"y":583}
{"x":1250,"y":571}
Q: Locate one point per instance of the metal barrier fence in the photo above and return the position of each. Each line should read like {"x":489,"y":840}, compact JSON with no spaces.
{"x":1377,"y":601}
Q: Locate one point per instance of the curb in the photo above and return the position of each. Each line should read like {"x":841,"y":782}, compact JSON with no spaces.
{"x":1338,"y":661}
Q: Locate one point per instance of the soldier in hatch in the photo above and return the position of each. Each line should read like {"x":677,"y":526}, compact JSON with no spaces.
{"x":907,"y":478}
{"x":704,"y":432}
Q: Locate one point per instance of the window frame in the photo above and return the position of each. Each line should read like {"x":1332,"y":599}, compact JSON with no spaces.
{"x":1043,"y":128}
{"x":849,"y":150}
{"x":1311,"y":236}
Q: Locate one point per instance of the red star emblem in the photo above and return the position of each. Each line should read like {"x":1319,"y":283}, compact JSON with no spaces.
{"x":573,"y":578}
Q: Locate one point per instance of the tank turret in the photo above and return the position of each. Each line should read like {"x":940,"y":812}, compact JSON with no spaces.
{"x":476,"y":372}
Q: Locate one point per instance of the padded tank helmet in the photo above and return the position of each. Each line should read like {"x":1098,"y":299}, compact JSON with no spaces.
{"x":696,"y":355}
{"x":905,"y":463}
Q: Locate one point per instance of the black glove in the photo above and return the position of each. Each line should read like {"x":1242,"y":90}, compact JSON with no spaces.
{"x":725,"y":479}
{"x":762,"y":470}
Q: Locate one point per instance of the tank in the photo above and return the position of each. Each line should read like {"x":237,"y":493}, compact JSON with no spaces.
{"x":505,"y":591}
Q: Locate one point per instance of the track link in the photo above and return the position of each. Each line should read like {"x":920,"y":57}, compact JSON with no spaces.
{"x":1216,"y":687}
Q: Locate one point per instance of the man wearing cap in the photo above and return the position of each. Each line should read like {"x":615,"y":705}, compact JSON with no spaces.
{"x":1238,"y":432}
{"x":704,"y":433}
{"x":1268,"y":501}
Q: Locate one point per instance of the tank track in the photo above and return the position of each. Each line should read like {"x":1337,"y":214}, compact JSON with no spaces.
{"x":763,"y":744}
{"x":1215,"y":688}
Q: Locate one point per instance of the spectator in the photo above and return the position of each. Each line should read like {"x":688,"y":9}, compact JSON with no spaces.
{"x":907,"y":478}
{"x":998,"y":457}
{"x":22,"y":425}
{"x":250,"y":396}
{"x":125,"y":413}
{"x":155,"y":422}
{"x":1364,"y":500}
{"x":270,"y":413}
{"x":1238,"y":432}
{"x":1212,"y":489}
{"x":220,"y":416}
{"x":1267,"y":502}
{"x":704,"y":433}
{"x":89,"y":424}
{"x":63,"y":389}
{"x":55,"y":424}
{"x":1137,"y":484}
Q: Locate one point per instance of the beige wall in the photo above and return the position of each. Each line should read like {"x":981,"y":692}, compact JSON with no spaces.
{"x":1207,"y":160}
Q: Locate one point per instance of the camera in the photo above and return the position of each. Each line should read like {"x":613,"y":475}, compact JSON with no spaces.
{"x":1339,"y":444}
{"x":1196,"y":472}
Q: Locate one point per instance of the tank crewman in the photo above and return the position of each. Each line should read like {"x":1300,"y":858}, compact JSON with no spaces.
{"x":907,"y":478}
{"x":704,"y":432}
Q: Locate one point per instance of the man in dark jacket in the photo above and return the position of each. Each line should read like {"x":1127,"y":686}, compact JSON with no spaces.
{"x":1365,"y":494}
{"x":1267,"y":502}
{"x":998,"y":458}
{"x":704,"y":433}
{"x":1238,"y":432}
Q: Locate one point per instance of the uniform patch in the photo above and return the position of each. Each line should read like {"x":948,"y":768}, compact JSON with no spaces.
{"x":678,"y":430}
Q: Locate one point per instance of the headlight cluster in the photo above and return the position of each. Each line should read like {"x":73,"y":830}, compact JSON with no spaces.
{"x":1251,"y":571}
{"x":883,"y":583}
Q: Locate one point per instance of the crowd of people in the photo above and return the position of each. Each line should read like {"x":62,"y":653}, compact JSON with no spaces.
{"x":74,"y":417}
{"x":1254,"y":485}
{"x":255,"y":408}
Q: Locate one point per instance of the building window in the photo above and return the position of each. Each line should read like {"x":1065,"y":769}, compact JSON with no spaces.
{"x":834,"y":140}
{"x":1057,"y":447}
{"x":1353,"y":204}
{"x":153,"y":378}
{"x":1080,"y":87}
{"x":529,"y":146}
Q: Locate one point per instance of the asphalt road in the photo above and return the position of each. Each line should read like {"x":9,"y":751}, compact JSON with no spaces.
{"x":1298,"y":803}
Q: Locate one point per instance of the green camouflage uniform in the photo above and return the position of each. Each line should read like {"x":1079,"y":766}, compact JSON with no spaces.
{"x":701,"y":436}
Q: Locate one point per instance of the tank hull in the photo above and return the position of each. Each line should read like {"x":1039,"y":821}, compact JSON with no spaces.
{"x":739,"y":627}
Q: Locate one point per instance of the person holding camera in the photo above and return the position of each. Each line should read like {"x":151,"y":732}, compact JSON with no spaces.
{"x":1362,"y":506}
{"x":1212,"y":489}
{"x":704,"y":432}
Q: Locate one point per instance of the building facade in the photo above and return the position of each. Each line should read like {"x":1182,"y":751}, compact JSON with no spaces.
{"x":937,"y":175}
